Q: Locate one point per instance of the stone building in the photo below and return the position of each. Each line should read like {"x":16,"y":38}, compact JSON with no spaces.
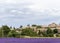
{"x":43,"y":28}
{"x":52,"y":26}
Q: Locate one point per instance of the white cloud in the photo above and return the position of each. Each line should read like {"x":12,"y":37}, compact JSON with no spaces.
{"x":29,"y":11}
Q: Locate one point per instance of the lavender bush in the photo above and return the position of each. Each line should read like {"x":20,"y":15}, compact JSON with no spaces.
{"x":29,"y":40}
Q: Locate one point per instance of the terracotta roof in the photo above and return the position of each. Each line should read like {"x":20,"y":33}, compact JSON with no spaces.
{"x":52,"y":25}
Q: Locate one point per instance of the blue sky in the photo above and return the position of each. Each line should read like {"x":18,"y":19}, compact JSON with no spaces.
{"x":23,"y":12}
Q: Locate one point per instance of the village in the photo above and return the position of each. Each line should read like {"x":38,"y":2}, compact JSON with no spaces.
{"x":51,"y":30}
{"x":42,"y":28}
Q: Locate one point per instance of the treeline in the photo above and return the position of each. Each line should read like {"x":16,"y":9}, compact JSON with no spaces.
{"x":48,"y":33}
{"x":5,"y":31}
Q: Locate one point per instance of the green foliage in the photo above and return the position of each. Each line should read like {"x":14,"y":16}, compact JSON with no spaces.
{"x":38,"y":27}
{"x":44,"y":34}
{"x":13,"y":33}
{"x":49,"y":32}
{"x":28,"y":32}
{"x":0,"y":32}
{"x":21,"y":26}
{"x":58,"y":35}
{"x":39,"y":32}
{"x":5,"y":30}
{"x":33,"y":25}
{"x":55,"y":31}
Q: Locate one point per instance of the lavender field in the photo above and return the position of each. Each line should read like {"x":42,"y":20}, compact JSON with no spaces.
{"x":29,"y":40}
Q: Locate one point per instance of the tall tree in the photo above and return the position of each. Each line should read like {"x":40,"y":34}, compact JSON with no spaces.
{"x":0,"y":32}
{"x":34,"y":25}
{"x":28,"y":32}
{"x":5,"y":30}
{"x":55,"y":31}
{"x":38,"y":26}
{"x":39,"y":32}
{"x":49,"y":32}
{"x":13,"y":33}
{"x":21,"y":26}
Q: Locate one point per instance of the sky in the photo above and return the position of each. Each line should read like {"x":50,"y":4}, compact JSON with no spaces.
{"x":22,"y":12}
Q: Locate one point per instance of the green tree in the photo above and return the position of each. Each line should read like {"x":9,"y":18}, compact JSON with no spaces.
{"x":21,"y":26}
{"x":5,"y":30}
{"x":0,"y":32}
{"x":49,"y":32}
{"x":34,"y":25}
{"x":44,"y":34}
{"x":55,"y":31}
{"x":39,"y":32}
{"x":38,"y":27}
{"x":28,"y":32}
{"x":13,"y":33}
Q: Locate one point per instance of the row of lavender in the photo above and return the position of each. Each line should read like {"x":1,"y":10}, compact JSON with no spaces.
{"x":29,"y":40}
